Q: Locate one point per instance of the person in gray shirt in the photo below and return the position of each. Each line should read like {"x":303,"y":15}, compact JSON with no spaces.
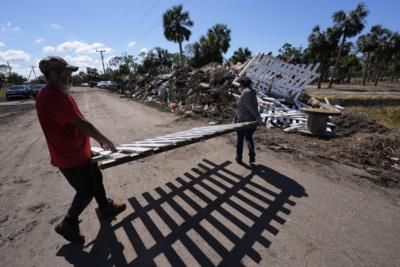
{"x":247,"y":110}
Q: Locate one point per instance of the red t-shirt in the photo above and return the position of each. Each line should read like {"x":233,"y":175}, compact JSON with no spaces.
{"x":68,"y":146}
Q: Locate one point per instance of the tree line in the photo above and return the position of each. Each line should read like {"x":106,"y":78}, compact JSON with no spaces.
{"x":340,"y":49}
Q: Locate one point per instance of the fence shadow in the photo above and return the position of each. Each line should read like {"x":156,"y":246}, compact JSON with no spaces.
{"x":210,"y":215}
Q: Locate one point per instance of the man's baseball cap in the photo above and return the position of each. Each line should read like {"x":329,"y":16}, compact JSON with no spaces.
{"x":56,"y":64}
{"x":245,"y":81}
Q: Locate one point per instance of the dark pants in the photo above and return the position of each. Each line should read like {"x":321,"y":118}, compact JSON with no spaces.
{"x":87,"y":180}
{"x":245,"y":134}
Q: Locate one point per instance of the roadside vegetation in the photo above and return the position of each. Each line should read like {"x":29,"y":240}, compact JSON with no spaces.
{"x":388,"y":116}
{"x":346,"y":57}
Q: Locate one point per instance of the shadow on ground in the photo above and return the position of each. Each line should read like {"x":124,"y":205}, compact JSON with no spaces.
{"x":210,"y":215}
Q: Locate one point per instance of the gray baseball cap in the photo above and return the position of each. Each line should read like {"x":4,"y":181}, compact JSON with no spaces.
{"x":56,"y":64}
{"x":245,"y":81}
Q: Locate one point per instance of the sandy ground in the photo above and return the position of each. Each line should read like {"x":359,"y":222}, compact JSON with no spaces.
{"x":192,"y":206}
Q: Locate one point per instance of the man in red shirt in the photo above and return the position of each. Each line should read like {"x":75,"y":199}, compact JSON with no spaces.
{"x":67,"y":134}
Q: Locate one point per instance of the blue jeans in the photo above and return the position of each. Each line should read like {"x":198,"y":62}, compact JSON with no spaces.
{"x":245,"y":134}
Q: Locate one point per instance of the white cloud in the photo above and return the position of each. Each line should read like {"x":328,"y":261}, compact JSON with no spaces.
{"x":84,"y":61}
{"x":14,"y":55}
{"x":39,"y":40}
{"x":55,"y":26}
{"x":82,"y":47}
{"x":8,"y":27}
{"x":130,"y":44}
{"x":144,"y":50}
{"x":49,"y":49}
{"x":2,"y":44}
{"x":22,"y":70}
{"x":79,"y":59}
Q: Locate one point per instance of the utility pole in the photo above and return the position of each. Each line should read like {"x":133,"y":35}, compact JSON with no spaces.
{"x":102,"y":58}
{"x":9,"y":69}
{"x":32,"y":70}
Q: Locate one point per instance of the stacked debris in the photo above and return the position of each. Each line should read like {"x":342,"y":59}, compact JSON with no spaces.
{"x":204,"y":91}
{"x":352,"y":123}
{"x":377,"y":150}
{"x":280,"y":89}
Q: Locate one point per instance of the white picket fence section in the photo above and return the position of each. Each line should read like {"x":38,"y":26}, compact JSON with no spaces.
{"x":276,"y":80}
{"x":140,"y":149}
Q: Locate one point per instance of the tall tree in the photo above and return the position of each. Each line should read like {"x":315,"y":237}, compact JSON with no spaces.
{"x":366,"y":45}
{"x":176,"y":26}
{"x":240,"y":55}
{"x":210,"y":48}
{"x":321,"y":45}
{"x":382,"y":52}
{"x":290,"y":54}
{"x":395,"y":57}
{"x":349,"y":24}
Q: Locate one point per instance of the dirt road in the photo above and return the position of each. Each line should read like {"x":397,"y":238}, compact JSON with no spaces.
{"x":189,"y":207}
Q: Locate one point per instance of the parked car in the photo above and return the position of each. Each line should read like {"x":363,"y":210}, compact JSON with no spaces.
{"x":102,"y":84}
{"x":15,"y":91}
{"x":84,"y":84}
{"x":111,"y":85}
{"x":92,"y":84}
{"x":36,"y":88}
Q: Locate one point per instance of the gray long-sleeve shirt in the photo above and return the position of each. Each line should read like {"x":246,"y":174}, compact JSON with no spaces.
{"x":247,"y":106}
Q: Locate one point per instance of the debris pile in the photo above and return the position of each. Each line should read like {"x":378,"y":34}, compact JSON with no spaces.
{"x":279,"y":86}
{"x":205,"y":91}
{"x":351,"y":123}
{"x":377,"y":150}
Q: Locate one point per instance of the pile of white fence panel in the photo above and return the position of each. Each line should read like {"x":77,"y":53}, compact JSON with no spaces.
{"x":278,"y":83}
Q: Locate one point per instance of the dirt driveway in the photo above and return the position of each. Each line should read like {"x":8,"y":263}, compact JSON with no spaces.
{"x":189,"y":207}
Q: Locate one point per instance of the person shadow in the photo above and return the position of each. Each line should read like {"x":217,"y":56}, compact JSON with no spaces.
{"x":210,"y":216}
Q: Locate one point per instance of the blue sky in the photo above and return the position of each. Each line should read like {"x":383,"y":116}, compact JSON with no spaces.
{"x":30,"y":30}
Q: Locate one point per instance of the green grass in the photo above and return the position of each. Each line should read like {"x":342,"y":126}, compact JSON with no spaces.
{"x":388,"y":116}
{"x":2,"y":95}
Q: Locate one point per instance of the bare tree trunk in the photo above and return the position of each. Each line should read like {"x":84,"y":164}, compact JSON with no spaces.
{"x":393,"y":73}
{"x":378,"y":73}
{"x":337,"y":61}
{"x":366,"y":69}
{"x":180,"y":48}
{"x":350,"y":75}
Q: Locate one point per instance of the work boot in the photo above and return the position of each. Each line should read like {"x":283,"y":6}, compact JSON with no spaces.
{"x":111,"y":210}
{"x":252,"y":160}
{"x":70,"y":231}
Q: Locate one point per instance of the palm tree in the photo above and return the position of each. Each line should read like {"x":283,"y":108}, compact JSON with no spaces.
{"x":349,"y":24}
{"x":211,"y":47}
{"x":395,"y":49}
{"x":382,"y":53}
{"x":366,"y":45}
{"x":290,"y":54}
{"x":219,"y":36}
{"x":320,"y":47}
{"x":176,"y":24}
{"x":240,"y":55}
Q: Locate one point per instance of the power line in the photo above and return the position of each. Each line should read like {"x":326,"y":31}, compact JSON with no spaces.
{"x":124,"y":21}
{"x":153,"y":26}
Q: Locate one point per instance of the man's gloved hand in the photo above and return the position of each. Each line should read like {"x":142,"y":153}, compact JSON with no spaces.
{"x":235,"y":119}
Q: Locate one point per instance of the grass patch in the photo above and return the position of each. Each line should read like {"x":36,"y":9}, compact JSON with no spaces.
{"x":358,"y":96}
{"x":2,"y":95}
{"x":388,"y":116}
